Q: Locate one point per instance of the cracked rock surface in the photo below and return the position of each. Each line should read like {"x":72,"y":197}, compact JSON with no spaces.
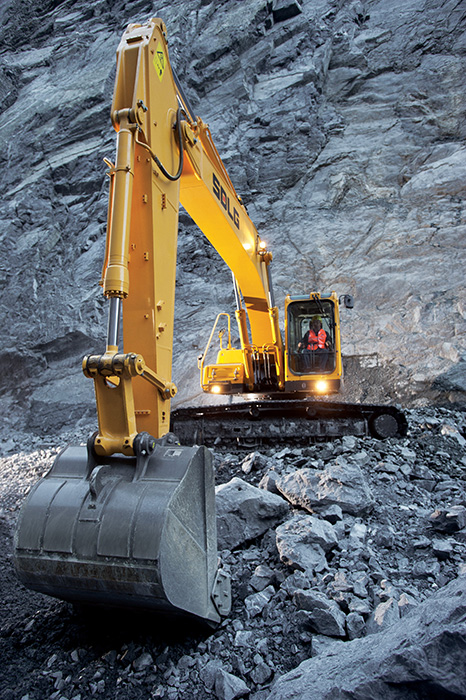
{"x":342,"y":127}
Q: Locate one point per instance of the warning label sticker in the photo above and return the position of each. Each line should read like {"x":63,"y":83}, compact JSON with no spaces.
{"x":159,"y":61}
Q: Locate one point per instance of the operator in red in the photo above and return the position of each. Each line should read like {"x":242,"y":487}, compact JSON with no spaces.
{"x":314,"y":345}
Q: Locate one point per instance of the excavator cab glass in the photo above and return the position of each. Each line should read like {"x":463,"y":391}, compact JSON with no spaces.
{"x":311,"y":337}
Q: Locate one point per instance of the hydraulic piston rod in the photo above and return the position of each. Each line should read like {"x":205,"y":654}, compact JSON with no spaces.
{"x":114,"y":312}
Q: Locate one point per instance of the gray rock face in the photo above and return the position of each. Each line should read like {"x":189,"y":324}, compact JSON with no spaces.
{"x":341,"y":483}
{"x":425,"y":652}
{"x":245,"y":512}
{"x":344,"y":121}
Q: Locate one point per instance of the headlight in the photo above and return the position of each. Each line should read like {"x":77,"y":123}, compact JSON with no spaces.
{"x":321,"y":387}
{"x":215,"y":389}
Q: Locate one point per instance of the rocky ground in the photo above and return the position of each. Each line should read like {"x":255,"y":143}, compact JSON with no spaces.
{"x":344,"y":555}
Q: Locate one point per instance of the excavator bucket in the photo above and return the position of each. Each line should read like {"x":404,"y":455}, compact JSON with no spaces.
{"x":126,"y":531}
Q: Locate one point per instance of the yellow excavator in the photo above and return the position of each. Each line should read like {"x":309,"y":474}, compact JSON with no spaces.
{"x":129,"y":519}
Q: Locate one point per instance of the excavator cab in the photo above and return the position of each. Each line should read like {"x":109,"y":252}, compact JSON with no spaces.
{"x":312,"y":352}
{"x":312,"y":344}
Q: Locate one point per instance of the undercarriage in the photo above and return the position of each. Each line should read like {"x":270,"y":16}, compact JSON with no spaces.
{"x":294,"y":421}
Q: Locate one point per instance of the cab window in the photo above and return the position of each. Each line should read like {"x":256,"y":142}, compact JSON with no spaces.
{"x":309,"y":350}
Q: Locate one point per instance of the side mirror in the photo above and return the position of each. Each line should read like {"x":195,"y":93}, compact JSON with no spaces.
{"x":348,"y":301}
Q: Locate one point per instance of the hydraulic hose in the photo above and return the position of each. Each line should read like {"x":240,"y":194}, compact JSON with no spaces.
{"x":163,"y":170}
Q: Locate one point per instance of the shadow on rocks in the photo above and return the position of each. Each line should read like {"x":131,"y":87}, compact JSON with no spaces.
{"x":116,"y":627}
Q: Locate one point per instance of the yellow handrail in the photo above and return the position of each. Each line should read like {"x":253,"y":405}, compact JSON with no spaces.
{"x":201,"y":358}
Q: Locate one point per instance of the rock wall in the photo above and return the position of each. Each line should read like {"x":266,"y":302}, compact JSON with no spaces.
{"x":342,"y":126}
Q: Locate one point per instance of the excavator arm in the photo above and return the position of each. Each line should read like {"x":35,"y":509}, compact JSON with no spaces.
{"x":130,"y":519}
{"x":164,"y":156}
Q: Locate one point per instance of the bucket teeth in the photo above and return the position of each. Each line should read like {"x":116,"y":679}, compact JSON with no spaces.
{"x":221,"y":593}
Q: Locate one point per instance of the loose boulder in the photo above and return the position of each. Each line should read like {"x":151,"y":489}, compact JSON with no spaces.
{"x":340,"y":483}
{"x":323,"y":615}
{"x":424,"y":654}
{"x":245,"y":512}
{"x":303,"y":541}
